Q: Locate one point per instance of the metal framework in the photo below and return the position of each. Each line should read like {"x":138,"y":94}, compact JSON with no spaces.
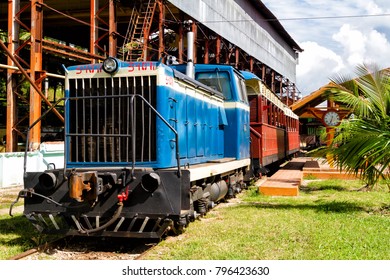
{"x":148,"y":30}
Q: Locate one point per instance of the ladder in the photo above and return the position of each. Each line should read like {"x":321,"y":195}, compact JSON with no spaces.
{"x":138,"y":44}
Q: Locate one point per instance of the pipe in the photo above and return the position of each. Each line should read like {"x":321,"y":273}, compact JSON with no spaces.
{"x":106,"y":225}
{"x":190,"y":53}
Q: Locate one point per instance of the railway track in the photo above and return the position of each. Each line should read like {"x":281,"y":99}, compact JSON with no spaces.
{"x":71,"y":248}
{"x":36,"y":251}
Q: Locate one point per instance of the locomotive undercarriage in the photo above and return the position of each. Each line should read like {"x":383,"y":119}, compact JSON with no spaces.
{"x":121,"y":202}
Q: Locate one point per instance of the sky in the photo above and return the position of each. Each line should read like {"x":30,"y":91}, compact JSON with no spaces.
{"x":336,"y":36}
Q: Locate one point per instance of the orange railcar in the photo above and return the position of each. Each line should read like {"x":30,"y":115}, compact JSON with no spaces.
{"x":274,"y":127}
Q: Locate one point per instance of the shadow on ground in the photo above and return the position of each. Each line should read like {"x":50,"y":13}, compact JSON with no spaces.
{"x":319,"y":206}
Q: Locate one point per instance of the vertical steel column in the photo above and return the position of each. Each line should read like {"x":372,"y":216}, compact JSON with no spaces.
{"x":35,"y":71}
{"x":181,"y":43}
{"x":206,"y":51}
{"x":294,"y":93}
{"x":251,"y":65}
{"x":263,"y":70}
{"x":94,"y":7}
{"x":227,"y":55}
{"x":273,"y":81}
{"x":237,"y":56}
{"x":112,"y":28}
{"x":281,"y":87}
{"x":218,"y":49}
{"x":13,"y":42}
{"x":288,"y":93}
{"x":194,"y":29}
{"x":161,"y":19}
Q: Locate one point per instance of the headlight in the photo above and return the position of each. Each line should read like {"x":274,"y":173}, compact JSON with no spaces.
{"x":110,"y":65}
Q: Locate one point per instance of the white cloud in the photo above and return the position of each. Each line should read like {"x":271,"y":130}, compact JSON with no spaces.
{"x":368,"y":46}
{"x":317,"y":65}
{"x":379,"y":47}
{"x":353,"y":43}
{"x":334,"y":44}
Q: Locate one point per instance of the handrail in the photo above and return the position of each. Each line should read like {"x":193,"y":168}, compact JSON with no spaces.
{"x":164,"y":121}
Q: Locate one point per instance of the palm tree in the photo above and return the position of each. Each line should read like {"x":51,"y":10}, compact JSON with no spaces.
{"x":362,"y":144}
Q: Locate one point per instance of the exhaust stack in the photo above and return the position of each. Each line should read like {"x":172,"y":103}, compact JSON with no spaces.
{"x":190,"y":50}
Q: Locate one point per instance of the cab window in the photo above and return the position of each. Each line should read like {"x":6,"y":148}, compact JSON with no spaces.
{"x":241,"y":89}
{"x":217,"y":80}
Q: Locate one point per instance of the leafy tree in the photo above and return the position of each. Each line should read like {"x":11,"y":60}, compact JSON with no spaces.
{"x":362,"y":143}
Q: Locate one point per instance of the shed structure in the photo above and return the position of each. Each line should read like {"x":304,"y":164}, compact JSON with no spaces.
{"x":39,"y":37}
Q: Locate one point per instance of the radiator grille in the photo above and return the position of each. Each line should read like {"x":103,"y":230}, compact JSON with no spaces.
{"x":100,"y":127}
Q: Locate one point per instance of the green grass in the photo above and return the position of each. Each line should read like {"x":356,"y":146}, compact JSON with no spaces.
{"x":16,"y":236}
{"x":329,"y":220}
{"x":16,"y":233}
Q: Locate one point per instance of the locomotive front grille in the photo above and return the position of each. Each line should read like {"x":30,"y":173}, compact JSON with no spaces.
{"x":100,"y":123}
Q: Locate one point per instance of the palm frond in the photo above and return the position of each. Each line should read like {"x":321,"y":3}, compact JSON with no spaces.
{"x":362,"y":144}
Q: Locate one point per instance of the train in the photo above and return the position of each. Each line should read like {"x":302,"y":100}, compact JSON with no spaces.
{"x":274,"y":127}
{"x":149,"y":147}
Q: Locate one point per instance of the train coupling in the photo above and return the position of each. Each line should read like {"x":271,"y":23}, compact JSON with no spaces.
{"x":89,"y":185}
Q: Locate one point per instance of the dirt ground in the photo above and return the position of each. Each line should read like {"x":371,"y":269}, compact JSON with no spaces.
{"x":7,"y":196}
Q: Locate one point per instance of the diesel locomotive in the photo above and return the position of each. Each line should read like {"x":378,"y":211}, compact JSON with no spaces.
{"x":147,"y":149}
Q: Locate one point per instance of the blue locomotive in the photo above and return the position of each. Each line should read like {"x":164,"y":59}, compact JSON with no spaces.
{"x":147,"y":149}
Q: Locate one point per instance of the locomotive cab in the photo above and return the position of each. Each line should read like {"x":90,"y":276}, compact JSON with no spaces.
{"x":231,"y":84}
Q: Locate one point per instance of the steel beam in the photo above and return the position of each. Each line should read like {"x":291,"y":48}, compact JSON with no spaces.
{"x":35,"y":72}
{"x":263,"y":70}
{"x":194,"y":28}
{"x":105,"y":34}
{"x":25,"y":74}
{"x":206,"y":51}
{"x":181,"y":43}
{"x":94,"y":6}
{"x":161,"y":19}
{"x":218,"y":50}
{"x":237,"y":57}
{"x":112,"y":27}
{"x":13,"y":39}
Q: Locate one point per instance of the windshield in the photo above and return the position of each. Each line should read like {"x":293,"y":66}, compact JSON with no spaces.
{"x":219,"y":81}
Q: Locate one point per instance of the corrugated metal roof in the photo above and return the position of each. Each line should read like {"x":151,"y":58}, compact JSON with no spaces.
{"x":276,"y":24}
{"x":249,"y":25}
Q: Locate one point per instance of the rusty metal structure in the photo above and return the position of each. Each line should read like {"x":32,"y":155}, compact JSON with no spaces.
{"x":42,"y":35}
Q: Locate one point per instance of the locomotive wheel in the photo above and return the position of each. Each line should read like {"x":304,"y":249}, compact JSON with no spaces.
{"x":178,"y":229}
